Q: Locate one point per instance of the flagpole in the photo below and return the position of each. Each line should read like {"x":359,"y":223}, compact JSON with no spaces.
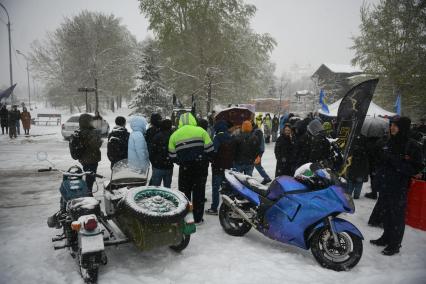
{"x":10,"y":50}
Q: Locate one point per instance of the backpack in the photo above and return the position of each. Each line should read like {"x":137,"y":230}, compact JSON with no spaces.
{"x":116,"y":149}
{"x":76,"y":146}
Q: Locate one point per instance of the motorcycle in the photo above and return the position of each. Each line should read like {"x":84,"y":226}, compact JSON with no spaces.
{"x":301,"y":211}
{"x":78,"y":217}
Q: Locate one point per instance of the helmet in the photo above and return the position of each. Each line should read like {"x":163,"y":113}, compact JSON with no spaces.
{"x":315,"y":127}
{"x":312,"y":177}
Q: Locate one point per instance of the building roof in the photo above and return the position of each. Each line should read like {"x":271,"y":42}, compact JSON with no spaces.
{"x":339,"y":68}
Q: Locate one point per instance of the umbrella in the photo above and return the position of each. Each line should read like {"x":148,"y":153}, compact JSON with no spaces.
{"x":374,"y":127}
{"x":235,"y":115}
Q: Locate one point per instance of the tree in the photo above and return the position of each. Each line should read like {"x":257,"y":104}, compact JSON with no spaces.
{"x":209,"y":50}
{"x":150,"y":93}
{"x":88,"y":47}
{"x":392,"y":45}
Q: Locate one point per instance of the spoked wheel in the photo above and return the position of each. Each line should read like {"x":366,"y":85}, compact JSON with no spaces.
{"x":342,"y":257}
{"x":89,"y":275}
{"x":183,"y":244}
{"x":233,"y":224}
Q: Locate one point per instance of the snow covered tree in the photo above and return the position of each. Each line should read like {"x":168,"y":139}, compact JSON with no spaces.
{"x":150,"y":94}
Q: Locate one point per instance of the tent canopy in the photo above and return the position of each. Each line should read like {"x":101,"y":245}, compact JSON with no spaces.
{"x":373,"y":111}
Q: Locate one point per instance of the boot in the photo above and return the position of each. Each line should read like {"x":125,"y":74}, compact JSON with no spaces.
{"x":381,"y":242}
{"x":391,"y":250}
{"x":371,"y":195}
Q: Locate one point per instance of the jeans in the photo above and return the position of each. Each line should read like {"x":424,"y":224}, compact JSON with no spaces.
{"x":245,"y":169}
{"x":262,"y":171}
{"x":90,"y":179}
{"x":217,"y":179}
{"x":159,"y":175}
{"x":355,"y":187}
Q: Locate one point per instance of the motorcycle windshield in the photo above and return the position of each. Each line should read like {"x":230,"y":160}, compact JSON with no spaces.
{"x":124,"y":173}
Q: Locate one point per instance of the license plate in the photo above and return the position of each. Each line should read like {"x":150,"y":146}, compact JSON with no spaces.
{"x":91,"y":243}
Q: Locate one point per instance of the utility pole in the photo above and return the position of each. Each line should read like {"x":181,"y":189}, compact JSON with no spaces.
{"x":87,"y":90}
{"x":96,"y":95}
{"x":28,"y":78}
{"x":10,"y":50}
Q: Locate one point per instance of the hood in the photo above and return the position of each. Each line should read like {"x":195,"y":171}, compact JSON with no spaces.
{"x":156,"y":119}
{"x":138,"y":123}
{"x":85,"y":121}
{"x":403,"y":124}
{"x":187,"y":119}
{"x":221,"y":126}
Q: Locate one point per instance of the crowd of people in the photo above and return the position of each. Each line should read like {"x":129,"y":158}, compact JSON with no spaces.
{"x":390,"y":161}
{"x":10,"y":120}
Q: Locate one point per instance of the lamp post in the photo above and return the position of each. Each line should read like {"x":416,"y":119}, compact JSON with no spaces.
{"x":10,"y":50}
{"x":28,"y":78}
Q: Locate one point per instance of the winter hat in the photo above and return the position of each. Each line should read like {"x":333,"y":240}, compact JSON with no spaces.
{"x":120,"y":121}
{"x":155,"y":119}
{"x":327,"y":126}
{"x":403,"y":124}
{"x":85,"y":121}
{"x":166,"y":124}
{"x":203,"y":123}
{"x":246,"y":126}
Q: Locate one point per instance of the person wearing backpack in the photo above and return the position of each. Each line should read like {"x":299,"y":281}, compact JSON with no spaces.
{"x":162,"y":165}
{"x":85,"y":146}
{"x":118,"y":141}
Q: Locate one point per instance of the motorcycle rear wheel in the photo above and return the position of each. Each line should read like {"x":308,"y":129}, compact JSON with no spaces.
{"x":89,"y":275}
{"x":232,"y":225}
{"x":340,"y":258}
{"x":182,"y":245}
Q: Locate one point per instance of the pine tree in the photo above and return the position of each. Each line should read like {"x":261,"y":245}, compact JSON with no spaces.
{"x":150,"y":95}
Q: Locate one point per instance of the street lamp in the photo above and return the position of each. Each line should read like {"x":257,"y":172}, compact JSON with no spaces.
{"x":28,"y":78}
{"x":10,"y":50}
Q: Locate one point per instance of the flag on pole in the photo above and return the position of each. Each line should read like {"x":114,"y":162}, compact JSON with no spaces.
{"x":398,"y":105}
{"x":6,"y":93}
{"x":323,"y":102}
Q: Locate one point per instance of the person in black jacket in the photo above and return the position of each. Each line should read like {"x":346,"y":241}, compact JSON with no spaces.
{"x":4,"y":113}
{"x":275,"y":126}
{"x":162,"y":165}
{"x":224,"y":151}
{"x":285,"y":153}
{"x":357,"y":172}
{"x":118,"y":141}
{"x":400,"y":159}
{"x":302,"y":142}
{"x":92,"y":142}
{"x":247,"y":148}
{"x":13,"y":120}
{"x":154,"y":128}
{"x":319,"y":146}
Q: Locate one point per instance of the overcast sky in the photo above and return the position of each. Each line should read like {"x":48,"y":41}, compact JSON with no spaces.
{"x":308,"y":32}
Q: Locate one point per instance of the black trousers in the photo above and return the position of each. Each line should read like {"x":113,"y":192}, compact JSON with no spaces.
{"x":90,"y":179}
{"x":377,"y":215}
{"x":394,"y":206}
{"x":192,"y":182}
{"x":3,"y":127}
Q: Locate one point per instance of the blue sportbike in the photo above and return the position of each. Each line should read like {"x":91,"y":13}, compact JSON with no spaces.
{"x":301,"y":211}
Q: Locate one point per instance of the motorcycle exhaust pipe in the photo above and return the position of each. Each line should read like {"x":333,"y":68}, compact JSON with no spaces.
{"x":228,"y":201}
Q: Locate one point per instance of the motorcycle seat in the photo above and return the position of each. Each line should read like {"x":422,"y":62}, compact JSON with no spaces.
{"x":253,"y":184}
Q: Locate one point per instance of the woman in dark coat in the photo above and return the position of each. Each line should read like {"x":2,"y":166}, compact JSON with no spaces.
{"x":358,"y":170}
{"x":285,"y":153}
{"x":400,"y":159}
{"x":4,"y":113}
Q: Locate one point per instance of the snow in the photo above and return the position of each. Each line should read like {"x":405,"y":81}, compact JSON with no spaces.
{"x":88,"y":203}
{"x":373,"y":110}
{"x":27,"y":254}
{"x":342,"y":68}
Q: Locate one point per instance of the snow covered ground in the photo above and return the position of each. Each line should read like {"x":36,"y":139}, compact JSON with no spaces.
{"x":27,"y":255}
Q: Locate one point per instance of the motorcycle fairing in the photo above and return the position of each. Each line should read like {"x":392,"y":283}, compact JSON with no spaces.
{"x":291,"y":215}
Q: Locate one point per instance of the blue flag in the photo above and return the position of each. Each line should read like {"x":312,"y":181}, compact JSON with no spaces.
{"x":6,"y":93}
{"x":323,"y":102}
{"x":398,"y":105}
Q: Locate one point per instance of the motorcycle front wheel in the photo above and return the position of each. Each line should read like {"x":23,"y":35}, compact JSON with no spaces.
{"x":231,"y":222}
{"x":338,"y":258}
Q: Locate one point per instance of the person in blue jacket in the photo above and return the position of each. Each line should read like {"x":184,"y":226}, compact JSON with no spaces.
{"x":138,"y":157}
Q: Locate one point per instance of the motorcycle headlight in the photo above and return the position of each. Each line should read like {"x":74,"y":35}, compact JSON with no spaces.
{"x":350,"y":202}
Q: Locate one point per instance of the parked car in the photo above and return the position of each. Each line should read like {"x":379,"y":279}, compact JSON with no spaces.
{"x":72,"y":125}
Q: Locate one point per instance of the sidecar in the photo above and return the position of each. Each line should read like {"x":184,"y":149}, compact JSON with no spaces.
{"x":149,"y":216}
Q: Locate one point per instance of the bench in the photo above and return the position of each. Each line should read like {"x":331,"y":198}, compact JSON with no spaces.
{"x":47,"y":119}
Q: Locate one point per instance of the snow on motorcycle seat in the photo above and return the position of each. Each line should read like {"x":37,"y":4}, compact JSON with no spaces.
{"x":83,"y":206}
{"x":252,"y":184}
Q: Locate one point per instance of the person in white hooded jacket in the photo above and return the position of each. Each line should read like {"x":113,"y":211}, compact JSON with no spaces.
{"x":138,"y":156}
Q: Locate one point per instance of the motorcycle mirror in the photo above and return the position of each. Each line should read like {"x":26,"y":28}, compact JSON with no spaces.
{"x":42,"y":156}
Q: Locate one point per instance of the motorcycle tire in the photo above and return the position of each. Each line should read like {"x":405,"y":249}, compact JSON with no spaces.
{"x":183,"y":244}
{"x":156,"y":204}
{"x":236,"y":227}
{"x":89,"y":275}
{"x":339,"y":259}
